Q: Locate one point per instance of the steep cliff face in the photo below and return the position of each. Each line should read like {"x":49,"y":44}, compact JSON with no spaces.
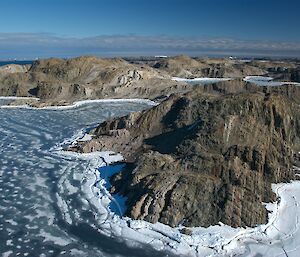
{"x":286,"y":74}
{"x":198,"y":159}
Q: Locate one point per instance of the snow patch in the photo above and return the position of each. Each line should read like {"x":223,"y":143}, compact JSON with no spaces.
{"x":268,"y":81}
{"x":200,"y":80}
{"x":18,"y":97}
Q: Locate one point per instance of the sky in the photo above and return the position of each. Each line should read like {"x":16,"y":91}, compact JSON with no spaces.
{"x":65,"y":28}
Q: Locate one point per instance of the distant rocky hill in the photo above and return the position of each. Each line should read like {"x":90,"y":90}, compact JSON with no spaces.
{"x":62,"y":81}
{"x":59,"y":81}
{"x":205,"y":156}
{"x":184,"y":66}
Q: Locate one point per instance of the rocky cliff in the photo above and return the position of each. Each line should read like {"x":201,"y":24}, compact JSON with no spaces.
{"x":201,"y":158}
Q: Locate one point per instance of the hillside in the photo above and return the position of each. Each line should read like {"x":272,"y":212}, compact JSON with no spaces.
{"x":204,"y":157}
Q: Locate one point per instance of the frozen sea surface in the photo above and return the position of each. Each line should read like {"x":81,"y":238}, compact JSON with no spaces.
{"x":54,"y":203}
{"x":34,"y":180}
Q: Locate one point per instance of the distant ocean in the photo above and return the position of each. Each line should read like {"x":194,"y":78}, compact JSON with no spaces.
{"x":15,"y":62}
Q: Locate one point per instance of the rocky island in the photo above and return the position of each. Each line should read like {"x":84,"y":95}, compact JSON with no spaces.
{"x":201,"y":158}
{"x":205,"y":154}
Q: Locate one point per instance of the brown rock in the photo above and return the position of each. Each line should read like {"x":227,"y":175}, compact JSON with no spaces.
{"x":200,"y":159}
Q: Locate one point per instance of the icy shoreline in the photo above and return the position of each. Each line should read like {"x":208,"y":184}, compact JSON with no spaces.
{"x":75,"y":104}
{"x":281,"y":234}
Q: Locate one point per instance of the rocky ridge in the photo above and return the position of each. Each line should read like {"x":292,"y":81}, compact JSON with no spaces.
{"x":204,"y":157}
{"x":59,"y":81}
{"x":184,"y":66}
{"x":63,"y":81}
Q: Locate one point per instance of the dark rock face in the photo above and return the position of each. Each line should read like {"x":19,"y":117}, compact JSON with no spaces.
{"x":285,"y":74}
{"x":199,"y":158}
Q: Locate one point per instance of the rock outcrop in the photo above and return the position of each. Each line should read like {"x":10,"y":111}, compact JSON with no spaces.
{"x":200,"y":158}
{"x":13,"y":68}
{"x":184,"y":66}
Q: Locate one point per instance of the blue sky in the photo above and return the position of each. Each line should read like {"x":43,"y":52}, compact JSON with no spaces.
{"x":43,"y":28}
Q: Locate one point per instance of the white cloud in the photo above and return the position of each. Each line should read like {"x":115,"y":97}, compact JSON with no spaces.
{"x":36,"y":44}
